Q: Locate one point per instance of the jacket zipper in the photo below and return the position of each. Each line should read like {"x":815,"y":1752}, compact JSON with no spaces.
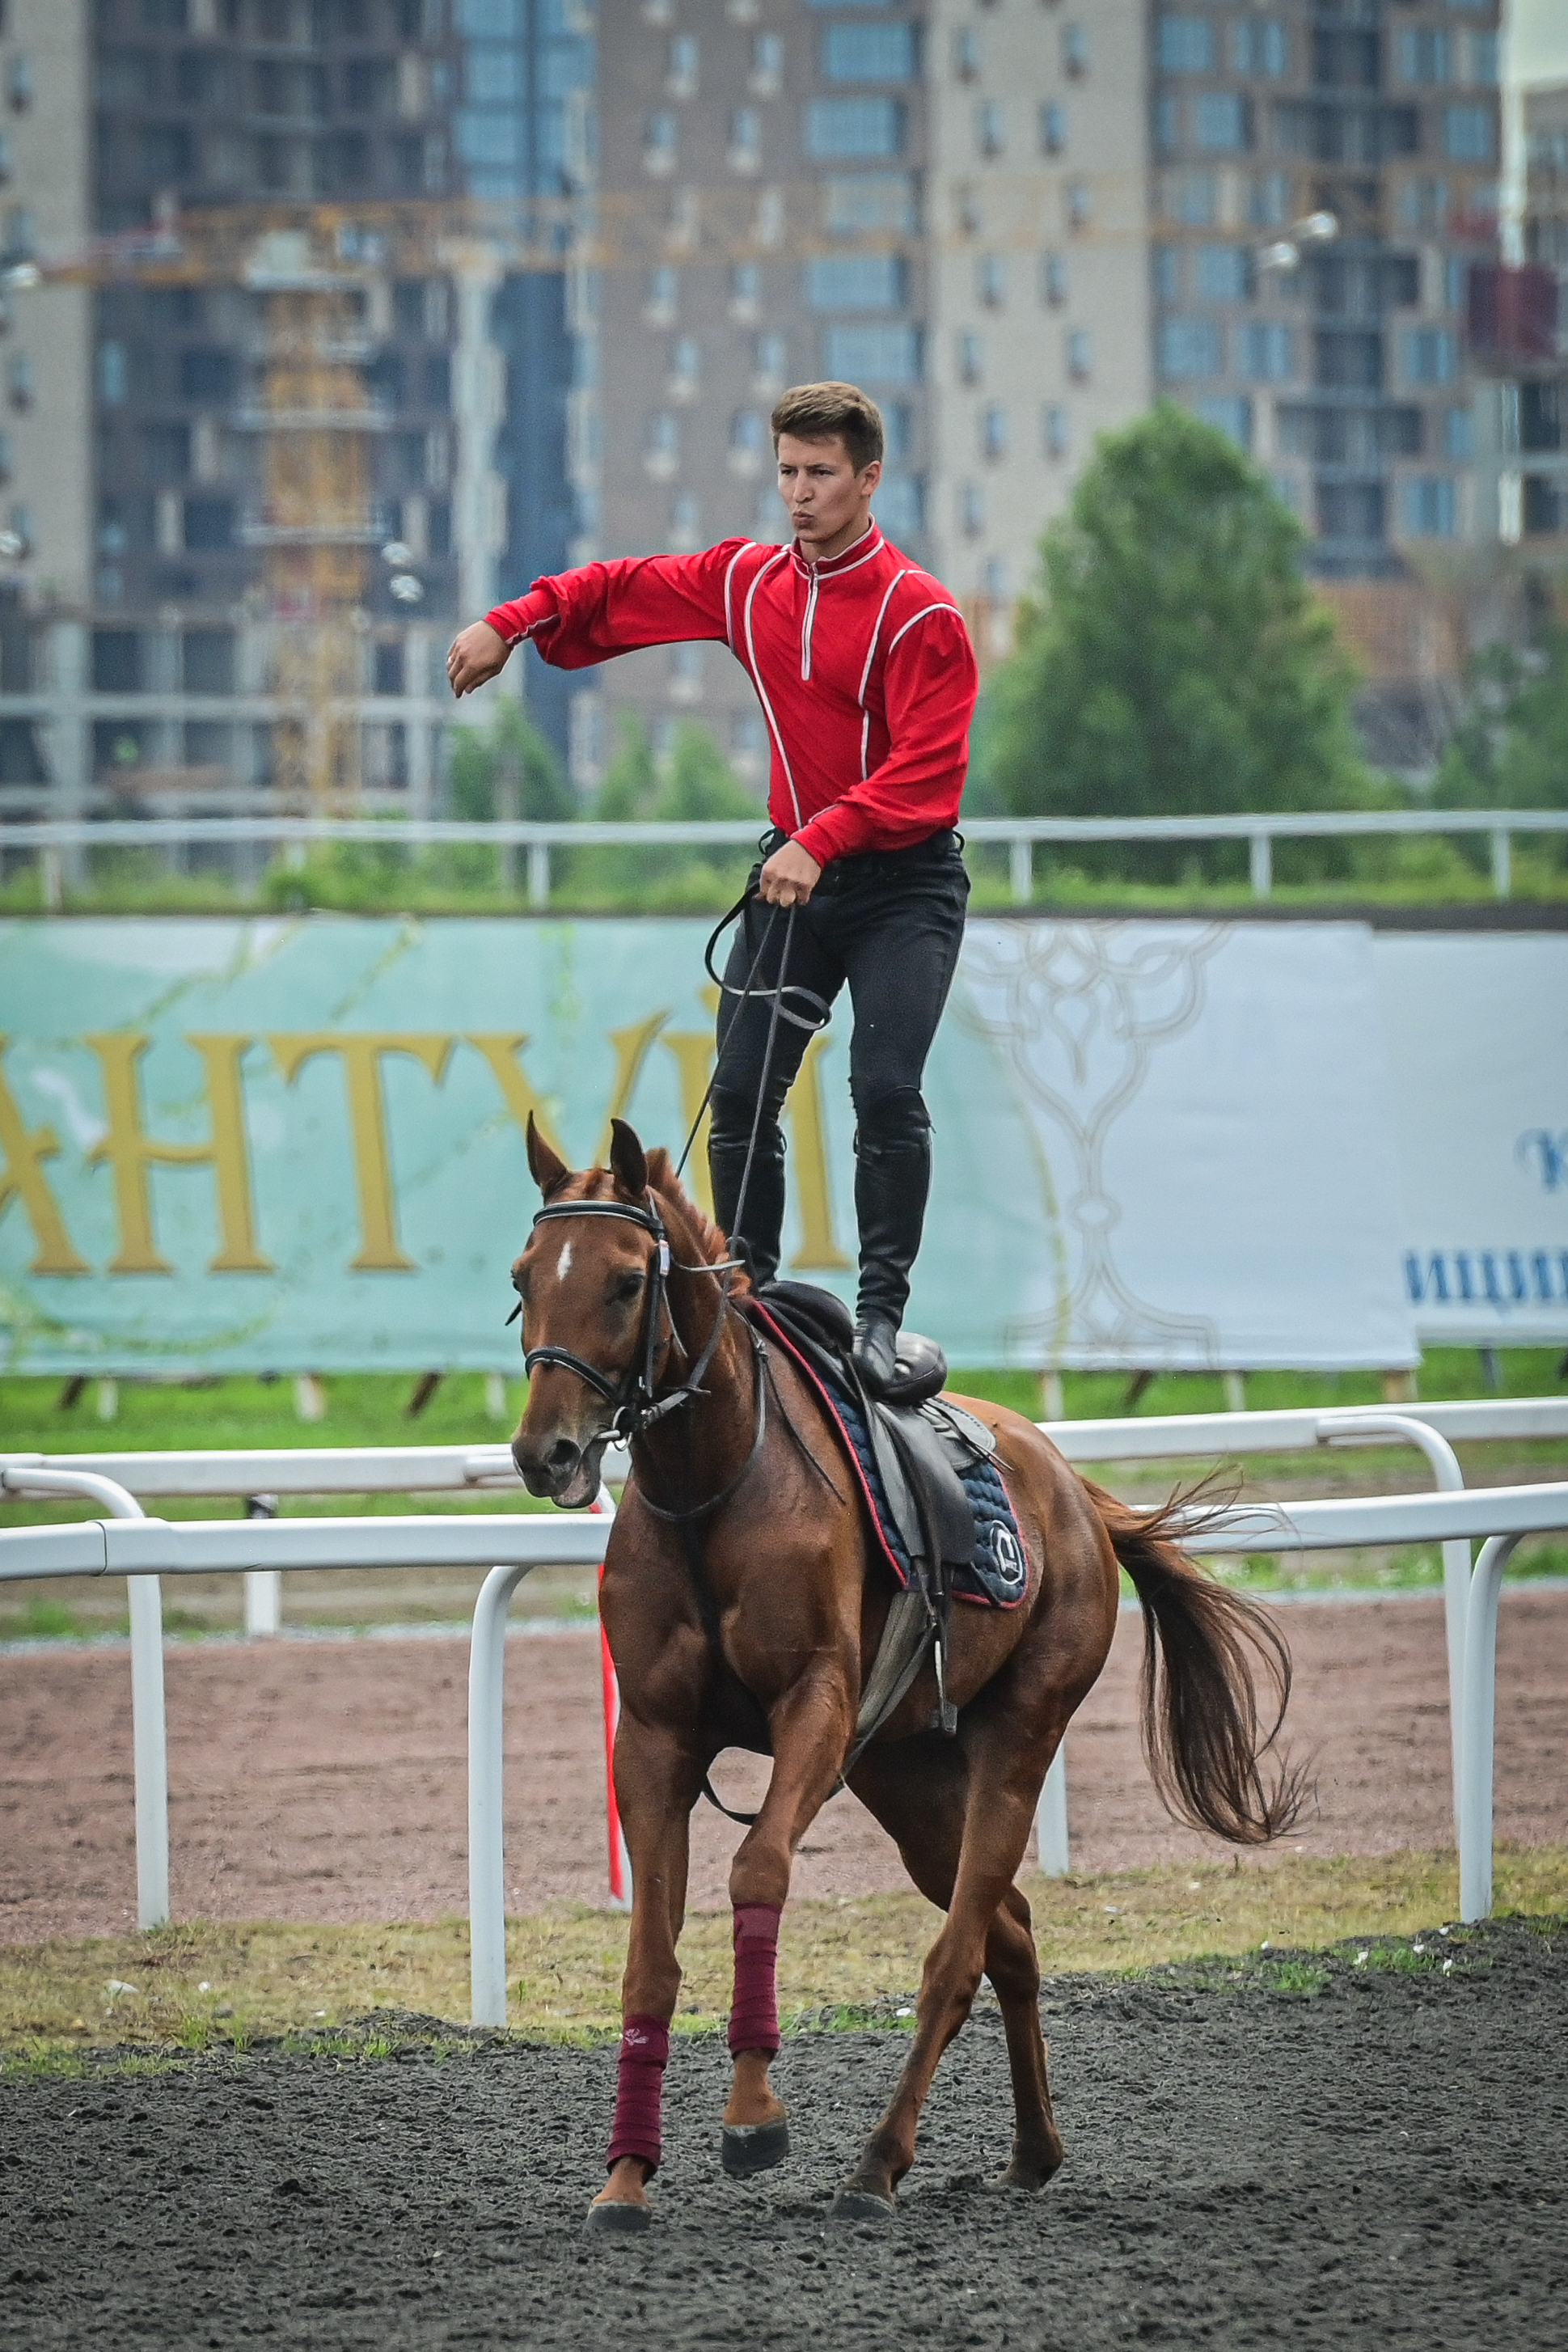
{"x":806,"y":628}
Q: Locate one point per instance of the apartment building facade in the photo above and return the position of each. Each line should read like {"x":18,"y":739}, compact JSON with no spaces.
{"x":144,"y":436}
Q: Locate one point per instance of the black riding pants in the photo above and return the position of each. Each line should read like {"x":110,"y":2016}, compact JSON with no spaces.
{"x":889,"y":923}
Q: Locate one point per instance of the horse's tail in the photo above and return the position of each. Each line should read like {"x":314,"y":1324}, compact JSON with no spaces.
{"x":1202,"y":1734}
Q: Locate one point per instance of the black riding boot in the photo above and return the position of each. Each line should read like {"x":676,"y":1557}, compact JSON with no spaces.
{"x":893,"y":1178}
{"x":729,"y":1137}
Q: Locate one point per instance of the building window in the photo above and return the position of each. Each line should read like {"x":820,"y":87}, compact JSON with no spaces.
{"x":659,"y":144}
{"x":1467,"y":133}
{"x":1168,"y":125}
{"x":1428,"y":506}
{"x":769,"y":363}
{"x":990,"y":126}
{"x":1424,"y":204}
{"x":1483,"y":54}
{"x":767,"y":65}
{"x":1229,"y":414}
{"x":970,"y":358}
{"x":967,"y":53}
{"x":1078,"y":202}
{"x":873,"y":354}
{"x":1053,"y":434}
{"x":747,"y":437}
{"x":745,"y":293}
{"x":686,"y":673}
{"x":662,"y":444}
{"x":993,"y":431}
{"x":1223,"y":273}
{"x":1428,"y":355}
{"x":1422,"y":54}
{"x":19,"y":386}
{"x":684,"y":368}
{"x":901,"y":506}
{"x":896,"y":430}
{"x":1191,"y":198}
{"x":1185,"y":45}
{"x":112,"y":373}
{"x":1164,"y":272}
{"x":868,"y":53}
{"x":1458,"y":436}
{"x":1074,"y":50}
{"x":745,"y":140}
{"x":1053,"y":280}
{"x":1265,"y":350}
{"x":1188,"y":347}
{"x":1456,"y":281}
{"x":972,"y":508}
{"x":681,"y":81}
{"x":846,"y":127}
{"x":1220,"y":123}
{"x":1080,"y":354}
{"x":1269,"y":199}
{"x":1054,"y":128}
{"x":860,"y":281}
{"x":209,"y":522}
{"x":1258,"y":46}
{"x":991,"y":280}
{"x":870,"y":201}
{"x":663,"y":294}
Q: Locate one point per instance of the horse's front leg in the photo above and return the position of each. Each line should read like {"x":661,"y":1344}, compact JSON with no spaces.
{"x":656,"y":1781}
{"x":810,"y":1730}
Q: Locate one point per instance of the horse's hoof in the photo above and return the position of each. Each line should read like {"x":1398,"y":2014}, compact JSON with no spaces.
{"x":617,"y":2220}
{"x":861,"y":2205}
{"x":745,"y":2148}
{"x":1022,"y":2184}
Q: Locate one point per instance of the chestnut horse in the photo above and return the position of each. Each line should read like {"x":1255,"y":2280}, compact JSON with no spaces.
{"x":743,"y":1609}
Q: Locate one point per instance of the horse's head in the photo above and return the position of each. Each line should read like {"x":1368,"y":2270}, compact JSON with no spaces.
{"x":583,"y":1283}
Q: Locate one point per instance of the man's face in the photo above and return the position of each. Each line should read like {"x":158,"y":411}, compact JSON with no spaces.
{"x":819,"y":484}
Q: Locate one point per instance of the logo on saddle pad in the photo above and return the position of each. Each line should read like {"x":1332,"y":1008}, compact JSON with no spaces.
{"x":1008,"y":1560}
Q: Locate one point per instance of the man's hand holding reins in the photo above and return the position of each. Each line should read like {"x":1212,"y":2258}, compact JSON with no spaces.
{"x":477,"y":654}
{"x":790,"y":876}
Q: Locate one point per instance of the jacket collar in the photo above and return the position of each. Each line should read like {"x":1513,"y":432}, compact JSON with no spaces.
{"x":869,"y":544}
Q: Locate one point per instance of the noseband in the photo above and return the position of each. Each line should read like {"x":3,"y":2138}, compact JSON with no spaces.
{"x":637,"y":1407}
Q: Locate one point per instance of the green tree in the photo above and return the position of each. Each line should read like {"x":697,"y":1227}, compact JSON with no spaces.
{"x":701,"y":786}
{"x":630,"y":784}
{"x":481,"y":758}
{"x":1174,"y":661}
{"x":1510,"y":748}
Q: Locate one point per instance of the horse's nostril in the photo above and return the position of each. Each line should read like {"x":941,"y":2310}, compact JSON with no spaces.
{"x":564,"y":1456}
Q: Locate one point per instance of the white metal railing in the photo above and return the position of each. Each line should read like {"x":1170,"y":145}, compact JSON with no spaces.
{"x":139,"y":1548}
{"x":50,"y":837}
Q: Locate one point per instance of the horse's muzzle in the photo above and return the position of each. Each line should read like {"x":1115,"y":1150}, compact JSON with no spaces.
{"x":557,"y":1469}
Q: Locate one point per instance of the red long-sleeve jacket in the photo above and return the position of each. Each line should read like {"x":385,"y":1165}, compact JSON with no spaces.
{"x":862,"y":663}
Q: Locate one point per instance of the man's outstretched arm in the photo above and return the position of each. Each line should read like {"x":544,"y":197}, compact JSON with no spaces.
{"x":600,"y":610}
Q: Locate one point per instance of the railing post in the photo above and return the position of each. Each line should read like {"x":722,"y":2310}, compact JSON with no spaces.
{"x":1480,"y":1727}
{"x":1261,"y":863}
{"x":149,"y":1750}
{"x":487,"y":1817}
{"x":1501,"y":864}
{"x":51,"y":880}
{"x":1051,"y":1819}
{"x":1020,"y":869}
{"x":539,"y":874}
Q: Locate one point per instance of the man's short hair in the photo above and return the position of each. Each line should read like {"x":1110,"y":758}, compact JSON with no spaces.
{"x":826,"y":412}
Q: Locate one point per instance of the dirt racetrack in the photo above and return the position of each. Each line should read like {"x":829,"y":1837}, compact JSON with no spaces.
{"x":325,"y":1780}
{"x":1380,"y":2165}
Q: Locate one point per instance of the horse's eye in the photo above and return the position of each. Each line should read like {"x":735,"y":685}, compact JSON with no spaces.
{"x":629,"y":1288}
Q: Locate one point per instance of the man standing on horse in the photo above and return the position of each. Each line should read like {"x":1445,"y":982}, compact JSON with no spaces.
{"x":865,"y":675}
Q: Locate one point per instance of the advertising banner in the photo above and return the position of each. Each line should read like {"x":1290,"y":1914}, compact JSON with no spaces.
{"x":1476,"y":1030}
{"x":297,"y":1144}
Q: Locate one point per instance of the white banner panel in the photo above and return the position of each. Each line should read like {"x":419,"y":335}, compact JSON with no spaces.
{"x":1476,"y":1030}
{"x":1213,"y":1160}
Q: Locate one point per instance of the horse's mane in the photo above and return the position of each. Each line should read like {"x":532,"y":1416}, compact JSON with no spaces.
{"x":710,"y":1243}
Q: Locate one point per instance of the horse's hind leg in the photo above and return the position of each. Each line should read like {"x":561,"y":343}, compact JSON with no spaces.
{"x":962,"y":1832}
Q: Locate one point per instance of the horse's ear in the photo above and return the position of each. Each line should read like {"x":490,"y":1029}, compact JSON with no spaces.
{"x":546,"y":1167}
{"x":627,"y":1163}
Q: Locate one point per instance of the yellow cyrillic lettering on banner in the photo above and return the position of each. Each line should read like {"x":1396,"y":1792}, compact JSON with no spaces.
{"x":231,"y":1154}
{"x":131,"y":1151}
{"x":809,"y":1165}
{"x":518,"y":1090}
{"x":632,"y":1047}
{"x":22,"y":1179}
{"x":693,"y":1050}
{"x":362,"y":1052}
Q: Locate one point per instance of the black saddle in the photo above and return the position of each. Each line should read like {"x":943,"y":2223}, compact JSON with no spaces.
{"x":922,"y":1442}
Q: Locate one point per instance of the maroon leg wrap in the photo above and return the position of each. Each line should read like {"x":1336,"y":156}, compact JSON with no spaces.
{"x":639,"y":2088}
{"x":753,"y":2013}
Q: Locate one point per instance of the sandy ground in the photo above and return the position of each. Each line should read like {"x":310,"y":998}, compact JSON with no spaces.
{"x":1380,"y":2166}
{"x":325,"y":1780}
